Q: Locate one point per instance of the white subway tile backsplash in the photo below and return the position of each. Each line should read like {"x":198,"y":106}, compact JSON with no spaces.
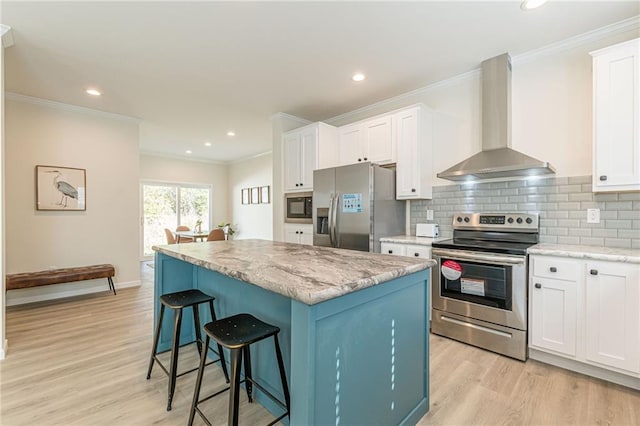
{"x":562,"y":204}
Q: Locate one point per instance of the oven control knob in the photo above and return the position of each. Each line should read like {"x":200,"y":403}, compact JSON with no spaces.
{"x":529,"y":220}
{"x":510,"y":220}
{"x":519,"y":220}
{"x":459,"y":219}
{"x":466,"y":219}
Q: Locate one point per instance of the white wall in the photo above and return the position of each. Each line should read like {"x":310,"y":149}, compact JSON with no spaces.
{"x":163,"y":169}
{"x":45,"y":133}
{"x":251,"y":220}
{"x":551,"y":107}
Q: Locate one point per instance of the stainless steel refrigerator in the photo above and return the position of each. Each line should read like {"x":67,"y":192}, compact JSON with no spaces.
{"x":354,"y":206}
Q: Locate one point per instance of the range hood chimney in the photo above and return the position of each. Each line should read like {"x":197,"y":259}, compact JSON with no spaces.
{"x":497,"y":159}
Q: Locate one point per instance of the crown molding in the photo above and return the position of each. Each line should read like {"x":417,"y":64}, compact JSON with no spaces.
{"x":551,"y":49}
{"x":629,"y":24}
{"x":284,"y":115}
{"x":6,"y":33}
{"x":250,"y":157}
{"x":68,"y":107}
{"x":182,"y":158}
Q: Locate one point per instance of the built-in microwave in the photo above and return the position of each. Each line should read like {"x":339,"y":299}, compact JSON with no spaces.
{"x":297,"y":207}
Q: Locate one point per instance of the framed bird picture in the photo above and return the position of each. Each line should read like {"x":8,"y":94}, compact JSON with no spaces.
{"x":60,"y":188}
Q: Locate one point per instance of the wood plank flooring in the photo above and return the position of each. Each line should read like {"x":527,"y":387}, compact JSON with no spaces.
{"x":82,"y":361}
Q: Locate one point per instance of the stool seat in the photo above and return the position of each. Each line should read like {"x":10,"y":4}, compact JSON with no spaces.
{"x":184,"y":299}
{"x":239,"y":330}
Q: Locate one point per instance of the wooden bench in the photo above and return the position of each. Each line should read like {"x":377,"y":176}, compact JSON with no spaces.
{"x":59,"y":276}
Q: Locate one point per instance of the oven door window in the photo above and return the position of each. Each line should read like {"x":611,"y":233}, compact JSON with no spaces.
{"x":478,"y":283}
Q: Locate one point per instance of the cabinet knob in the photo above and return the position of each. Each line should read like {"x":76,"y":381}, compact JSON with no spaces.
{"x":359,"y":159}
{"x":301,"y":185}
{"x":538,"y":285}
{"x":603,"y":177}
{"x":302,"y":232}
{"x":413,"y":190}
{"x":297,"y":184}
{"x":297,"y":232}
{"x":365,"y":158}
{"x":553,"y":269}
{"x":593,"y":272}
{"x":416,"y":254}
{"x":390,"y":251}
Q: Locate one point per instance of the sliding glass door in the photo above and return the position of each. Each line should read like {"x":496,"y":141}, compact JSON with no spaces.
{"x":167,"y":205}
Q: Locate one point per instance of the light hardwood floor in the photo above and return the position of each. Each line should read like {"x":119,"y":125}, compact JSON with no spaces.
{"x":82,"y":361}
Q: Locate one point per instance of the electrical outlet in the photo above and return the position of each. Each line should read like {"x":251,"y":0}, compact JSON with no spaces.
{"x":593,"y":215}
{"x":429,"y":214}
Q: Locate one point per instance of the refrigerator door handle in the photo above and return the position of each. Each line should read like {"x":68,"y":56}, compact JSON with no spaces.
{"x":334,"y":225}
{"x":330,"y":220}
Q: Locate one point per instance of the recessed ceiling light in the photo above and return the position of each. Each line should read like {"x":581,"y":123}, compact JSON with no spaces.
{"x":93,"y":92}
{"x":358,"y":76}
{"x":207,"y":144}
{"x":231,"y":133}
{"x":532,"y":4}
{"x":188,"y":151}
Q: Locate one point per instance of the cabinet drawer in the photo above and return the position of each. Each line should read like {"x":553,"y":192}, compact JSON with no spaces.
{"x":418,"y":251}
{"x":552,"y":267}
{"x":391,"y":248}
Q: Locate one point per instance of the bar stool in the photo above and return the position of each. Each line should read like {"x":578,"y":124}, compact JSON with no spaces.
{"x":178,"y":301}
{"x":237,"y":333}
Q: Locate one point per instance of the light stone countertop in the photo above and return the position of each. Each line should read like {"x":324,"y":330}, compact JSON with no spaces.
{"x":305,"y":273}
{"x":410,"y":239}
{"x":587,"y":252}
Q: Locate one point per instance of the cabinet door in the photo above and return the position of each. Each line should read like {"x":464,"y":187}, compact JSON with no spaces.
{"x":407,"y":166}
{"x":291,"y":234}
{"x":612,"y":328}
{"x":554,"y":315}
{"x":379,"y":146}
{"x":392,"y":248}
{"x":616,"y":88}
{"x":350,"y":143}
{"x":308,"y":158}
{"x":292,"y":164}
{"x":306,"y":236}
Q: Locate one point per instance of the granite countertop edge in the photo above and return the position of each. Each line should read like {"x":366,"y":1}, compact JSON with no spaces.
{"x":259,"y":275}
{"x":587,"y":252}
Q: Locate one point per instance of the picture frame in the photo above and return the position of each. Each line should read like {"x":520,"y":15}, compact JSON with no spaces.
{"x":246,"y":196}
{"x":60,"y":188}
{"x":255,"y":195}
{"x":265,"y":194}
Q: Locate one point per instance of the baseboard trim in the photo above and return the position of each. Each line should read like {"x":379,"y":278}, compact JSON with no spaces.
{"x":586,"y":369}
{"x":59,"y":291}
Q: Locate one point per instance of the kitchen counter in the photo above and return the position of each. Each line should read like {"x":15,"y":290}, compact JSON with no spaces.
{"x":410,"y":239}
{"x":587,"y":252}
{"x":308,"y":274}
{"x":353,"y":325}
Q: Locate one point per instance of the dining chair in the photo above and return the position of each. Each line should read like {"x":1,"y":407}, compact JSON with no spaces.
{"x":184,"y":239}
{"x":216,"y":235}
{"x":171,"y":239}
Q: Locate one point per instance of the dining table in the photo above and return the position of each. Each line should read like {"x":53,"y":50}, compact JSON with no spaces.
{"x":194,"y":235}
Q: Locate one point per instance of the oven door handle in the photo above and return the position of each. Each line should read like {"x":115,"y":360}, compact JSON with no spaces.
{"x":494,"y":258}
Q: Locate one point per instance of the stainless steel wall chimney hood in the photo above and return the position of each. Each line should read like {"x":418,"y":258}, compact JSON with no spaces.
{"x":497,"y":159}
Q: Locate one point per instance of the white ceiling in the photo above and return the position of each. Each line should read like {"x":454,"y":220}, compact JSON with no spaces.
{"x":191,"y":71}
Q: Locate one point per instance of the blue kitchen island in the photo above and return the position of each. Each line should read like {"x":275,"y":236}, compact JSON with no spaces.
{"x":353,"y":325}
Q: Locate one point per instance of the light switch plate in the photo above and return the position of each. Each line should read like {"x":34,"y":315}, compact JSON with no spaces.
{"x":593,"y":215}
{"x":429,"y":214}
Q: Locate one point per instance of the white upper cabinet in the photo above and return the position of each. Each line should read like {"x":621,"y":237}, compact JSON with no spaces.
{"x":616,"y":117}
{"x":414,"y":138}
{"x":305,"y":150}
{"x":370,"y":140}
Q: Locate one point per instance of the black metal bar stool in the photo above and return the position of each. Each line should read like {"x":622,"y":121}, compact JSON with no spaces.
{"x":178,"y":301}
{"x":237,"y":333}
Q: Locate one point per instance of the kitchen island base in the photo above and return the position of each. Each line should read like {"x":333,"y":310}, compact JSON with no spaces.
{"x":360,"y":358}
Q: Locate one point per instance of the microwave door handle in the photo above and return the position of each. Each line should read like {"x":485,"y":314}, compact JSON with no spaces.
{"x":329,"y":219}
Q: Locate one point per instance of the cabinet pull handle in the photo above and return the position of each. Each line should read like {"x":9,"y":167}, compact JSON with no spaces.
{"x":296,"y":184}
{"x":359,"y":159}
{"x":390,"y":251}
{"x":297,"y":232}
{"x":416,"y":254}
{"x":553,"y":269}
{"x":538,"y":285}
{"x":365,"y":158}
{"x":413,"y":190}
{"x":302,"y":232}
{"x":301,"y":185}
{"x":593,"y":272}
{"x":603,"y":177}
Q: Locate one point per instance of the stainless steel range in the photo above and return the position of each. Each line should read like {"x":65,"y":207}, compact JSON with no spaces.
{"x":480,"y":283}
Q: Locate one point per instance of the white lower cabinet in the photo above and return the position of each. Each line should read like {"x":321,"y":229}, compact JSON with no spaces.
{"x":298,"y":234}
{"x":588,"y":311}
{"x":612,"y":314}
